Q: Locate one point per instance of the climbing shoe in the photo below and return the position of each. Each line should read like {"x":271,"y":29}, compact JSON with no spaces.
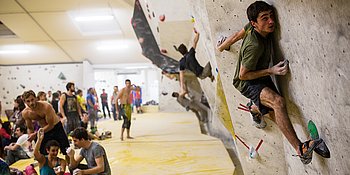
{"x":310,"y":145}
{"x":322,"y":150}
{"x":259,"y":122}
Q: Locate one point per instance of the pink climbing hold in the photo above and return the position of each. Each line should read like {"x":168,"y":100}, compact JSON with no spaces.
{"x":162,"y":17}
{"x":163,"y":51}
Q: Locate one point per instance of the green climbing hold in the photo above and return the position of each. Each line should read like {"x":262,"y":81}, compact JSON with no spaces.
{"x":311,"y":127}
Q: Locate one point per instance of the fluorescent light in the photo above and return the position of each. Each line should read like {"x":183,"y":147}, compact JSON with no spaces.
{"x":95,"y":22}
{"x":4,"y":52}
{"x":94,"y":18}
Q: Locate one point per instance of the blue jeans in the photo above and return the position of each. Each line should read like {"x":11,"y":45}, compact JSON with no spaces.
{"x":114,"y":112}
{"x":15,"y":155}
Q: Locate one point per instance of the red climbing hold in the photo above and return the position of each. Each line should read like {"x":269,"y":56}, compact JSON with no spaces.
{"x":162,"y":17}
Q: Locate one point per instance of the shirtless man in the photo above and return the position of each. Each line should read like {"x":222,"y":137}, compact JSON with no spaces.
{"x":125,"y":111}
{"x":44,"y":113}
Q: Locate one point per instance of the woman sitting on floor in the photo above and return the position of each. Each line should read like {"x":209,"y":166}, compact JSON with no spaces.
{"x":50,"y":164}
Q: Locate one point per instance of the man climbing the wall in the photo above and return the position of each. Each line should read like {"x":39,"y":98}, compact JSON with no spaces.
{"x":189,"y":62}
{"x":252,"y":77}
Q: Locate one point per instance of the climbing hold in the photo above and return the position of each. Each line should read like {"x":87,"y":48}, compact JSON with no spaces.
{"x":61,"y":76}
{"x":192,"y":19}
{"x":253,"y":153}
{"x":163,"y":51}
{"x":162,"y":18}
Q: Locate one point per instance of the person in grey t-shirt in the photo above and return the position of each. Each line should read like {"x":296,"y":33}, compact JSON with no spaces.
{"x":94,"y":154}
{"x":114,"y":102}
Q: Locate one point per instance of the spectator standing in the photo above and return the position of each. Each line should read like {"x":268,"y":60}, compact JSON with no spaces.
{"x":138,"y":99}
{"x":92,"y":108}
{"x":81,"y":100}
{"x":70,"y":108}
{"x":115,"y":103}
{"x":104,"y":102}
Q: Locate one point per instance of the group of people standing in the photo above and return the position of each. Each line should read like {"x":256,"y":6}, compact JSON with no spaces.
{"x":72,"y":107}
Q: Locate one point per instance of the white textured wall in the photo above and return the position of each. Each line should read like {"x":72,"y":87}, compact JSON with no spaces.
{"x":173,"y":10}
{"x":167,"y":103}
{"x":147,"y":79}
{"x":37,"y":78}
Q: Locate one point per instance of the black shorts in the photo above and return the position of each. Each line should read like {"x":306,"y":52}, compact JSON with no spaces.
{"x":253,"y":89}
{"x":56,"y":133}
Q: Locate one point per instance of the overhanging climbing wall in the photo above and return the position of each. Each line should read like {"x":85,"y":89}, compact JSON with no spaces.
{"x":148,"y":43}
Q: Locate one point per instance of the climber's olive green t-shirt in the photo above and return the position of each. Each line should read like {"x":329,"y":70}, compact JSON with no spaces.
{"x":255,"y":54}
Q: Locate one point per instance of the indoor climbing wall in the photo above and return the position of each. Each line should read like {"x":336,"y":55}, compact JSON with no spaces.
{"x":167,"y":103}
{"x":313,"y":36}
{"x":51,"y":77}
{"x":147,"y":39}
{"x":242,"y":124}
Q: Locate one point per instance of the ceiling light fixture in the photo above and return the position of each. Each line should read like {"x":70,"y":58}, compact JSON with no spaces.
{"x":95,"y":21}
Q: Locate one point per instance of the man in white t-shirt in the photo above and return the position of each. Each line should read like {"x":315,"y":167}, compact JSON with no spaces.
{"x":22,"y":149}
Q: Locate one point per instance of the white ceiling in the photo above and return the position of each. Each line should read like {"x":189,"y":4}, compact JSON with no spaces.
{"x":47,"y":31}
